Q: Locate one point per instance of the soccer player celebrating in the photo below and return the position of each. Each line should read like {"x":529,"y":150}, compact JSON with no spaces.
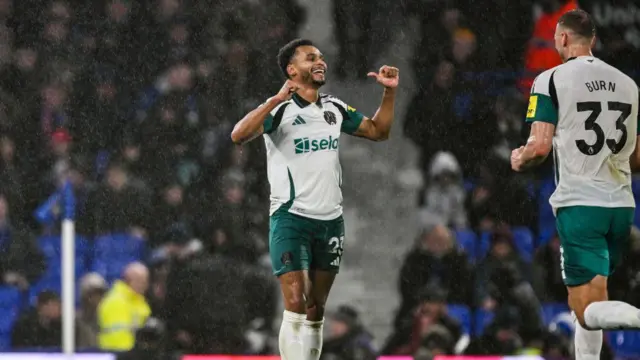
{"x":301,"y":129}
{"x":588,"y":112}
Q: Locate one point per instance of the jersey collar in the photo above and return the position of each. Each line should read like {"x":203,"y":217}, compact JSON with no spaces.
{"x":302,"y":102}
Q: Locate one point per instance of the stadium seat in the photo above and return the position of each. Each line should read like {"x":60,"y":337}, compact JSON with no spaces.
{"x":551,"y":310}
{"x":467,"y":241}
{"x":546,"y":219}
{"x":462,"y":313}
{"x":482,"y":319}
{"x":5,"y":342}
{"x":523,"y":239}
{"x":113,"y":252}
{"x":635,"y":187}
{"x":10,"y":301}
{"x":483,"y":245}
{"x":51,"y":247}
{"x":625,"y":344}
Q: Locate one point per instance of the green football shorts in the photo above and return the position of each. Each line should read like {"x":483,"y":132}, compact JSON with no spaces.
{"x":300,"y":243}
{"x":592,"y":240}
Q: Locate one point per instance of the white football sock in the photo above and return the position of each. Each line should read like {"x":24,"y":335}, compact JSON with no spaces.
{"x":587,"y":343}
{"x":290,"y":339}
{"x":611,"y":315}
{"x":311,"y":340}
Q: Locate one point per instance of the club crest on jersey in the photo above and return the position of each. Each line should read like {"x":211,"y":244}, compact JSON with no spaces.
{"x":330,"y":118}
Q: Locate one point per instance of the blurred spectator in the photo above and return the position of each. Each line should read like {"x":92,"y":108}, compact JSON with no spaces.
{"x":98,"y":121}
{"x":41,"y":326}
{"x":436,"y":261}
{"x":353,"y":24}
{"x":124,"y":309}
{"x":500,"y":270}
{"x":444,"y":199}
{"x":541,"y":51}
{"x":500,"y":337}
{"x":348,"y":339}
{"x":618,"y":40}
{"x":547,"y":278}
{"x":624,"y":284}
{"x":504,"y":129}
{"x":149,"y":344}
{"x":496,"y":194}
{"x":503,"y":287}
{"x":430,"y":312}
{"x":429,"y":121}
{"x":11,"y":175}
{"x":21,"y":262}
{"x":437,"y":341}
{"x":92,"y":290}
{"x":557,"y":347}
{"x":200,"y":316}
{"x":438,"y":22}
{"x":119,"y":205}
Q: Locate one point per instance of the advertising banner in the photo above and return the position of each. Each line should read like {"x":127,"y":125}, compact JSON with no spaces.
{"x":44,"y":356}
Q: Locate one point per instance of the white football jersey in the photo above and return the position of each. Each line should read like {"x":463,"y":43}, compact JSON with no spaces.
{"x":595,"y":109}
{"x":303,"y":166}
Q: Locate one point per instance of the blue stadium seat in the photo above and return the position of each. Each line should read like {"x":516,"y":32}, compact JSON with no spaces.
{"x":462,"y":313}
{"x":113,"y":252}
{"x":10,"y":301}
{"x":467,"y":241}
{"x":635,"y":187}
{"x":51,"y":247}
{"x":546,"y":219}
{"x":551,"y":310}
{"x":5,"y":342}
{"x":482,"y":319}
{"x":523,"y":239}
{"x":625,"y":344}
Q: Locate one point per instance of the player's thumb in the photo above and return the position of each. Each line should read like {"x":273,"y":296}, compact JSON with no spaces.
{"x":373,"y":74}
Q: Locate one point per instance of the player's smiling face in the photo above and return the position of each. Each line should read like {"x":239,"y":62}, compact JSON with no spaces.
{"x":309,"y":66}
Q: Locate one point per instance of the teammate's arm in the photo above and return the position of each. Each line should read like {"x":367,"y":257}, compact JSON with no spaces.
{"x":537,"y":148}
{"x":379,"y":127}
{"x":253,"y":124}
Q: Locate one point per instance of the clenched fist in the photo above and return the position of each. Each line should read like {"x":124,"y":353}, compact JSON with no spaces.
{"x":287,"y":91}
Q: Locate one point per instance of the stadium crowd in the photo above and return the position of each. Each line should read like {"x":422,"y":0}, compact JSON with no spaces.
{"x":133,"y":102}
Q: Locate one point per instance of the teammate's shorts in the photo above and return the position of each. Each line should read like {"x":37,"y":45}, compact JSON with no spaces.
{"x":299,"y":243}
{"x":592,"y":240}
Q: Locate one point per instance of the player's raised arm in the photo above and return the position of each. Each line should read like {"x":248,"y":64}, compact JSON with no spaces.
{"x":379,"y":127}
{"x":253,"y":124}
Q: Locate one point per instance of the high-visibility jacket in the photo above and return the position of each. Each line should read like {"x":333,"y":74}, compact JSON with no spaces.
{"x":541,"y":53}
{"x":120,"y":314}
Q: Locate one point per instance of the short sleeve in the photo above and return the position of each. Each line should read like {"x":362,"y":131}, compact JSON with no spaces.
{"x":269,"y":125}
{"x":351,"y":122}
{"x":273,"y":119}
{"x":543,"y":100}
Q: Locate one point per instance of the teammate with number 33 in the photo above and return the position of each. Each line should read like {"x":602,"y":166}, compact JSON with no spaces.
{"x":587,"y":111}
{"x":301,"y":129}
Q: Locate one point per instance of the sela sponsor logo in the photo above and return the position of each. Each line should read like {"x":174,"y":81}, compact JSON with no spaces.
{"x":307,"y":145}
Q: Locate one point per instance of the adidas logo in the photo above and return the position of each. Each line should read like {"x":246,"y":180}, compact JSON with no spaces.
{"x":299,"y":121}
